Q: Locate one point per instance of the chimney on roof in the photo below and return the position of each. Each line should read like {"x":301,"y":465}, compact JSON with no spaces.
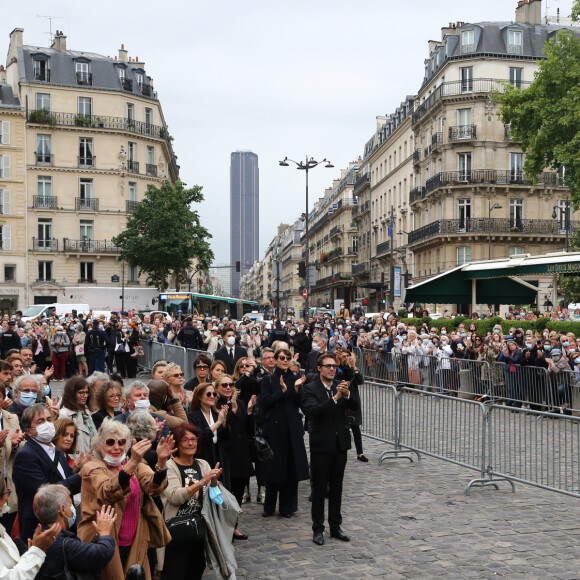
{"x":123,"y":54}
{"x":59,"y":42}
{"x":2,"y":74}
{"x":529,"y":12}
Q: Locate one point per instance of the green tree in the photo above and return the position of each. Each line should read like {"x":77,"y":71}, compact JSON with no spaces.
{"x":164,"y":234}
{"x":545,"y":117}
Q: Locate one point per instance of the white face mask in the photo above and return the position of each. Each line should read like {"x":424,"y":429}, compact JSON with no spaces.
{"x":142,"y":405}
{"x":231,"y":340}
{"x":5,"y":509}
{"x":114,"y":461}
{"x":45,"y":432}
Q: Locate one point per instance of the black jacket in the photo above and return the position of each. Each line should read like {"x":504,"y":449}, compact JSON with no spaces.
{"x":96,"y":341}
{"x":190,"y":337}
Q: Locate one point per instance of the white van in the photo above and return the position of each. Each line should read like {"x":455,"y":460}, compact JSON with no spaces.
{"x":45,"y":310}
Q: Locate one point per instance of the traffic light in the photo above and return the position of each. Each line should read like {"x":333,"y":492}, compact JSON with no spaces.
{"x":238,"y":266}
{"x":302,"y":270}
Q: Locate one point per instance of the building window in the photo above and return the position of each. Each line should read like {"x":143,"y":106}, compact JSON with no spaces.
{"x":84,"y":77}
{"x":468,"y":40}
{"x":4,"y":132}
{"x":515,"y":251}
{"x":516,"y":167}
{"x":130,"y":110}
{"x":122,"y":74}
{"x":516,"y":214}
{"x":151,"y":167}
{"x":45,"y":271}
{"x":42,"y":101}
{"x":139,"y":77}
{"x":354,"y":244}
{"x":463,"y":255}
{"x":5,"y":202}
{"x":148,"y":120}
{"x":4,"y":167}
{"x":133,"y":274}
{"x":516,"y":77}
{"x":41,"y":70}
{"x":466,"y":74}
{"x":44,"y":150}
{"x":463,"y":167}
{"x":44,"y":187}
{"x":86,"y":194}
{"x":85,"y":106}
{"x":86,"y":157}
{"x":564,"y":207}
{"x":464,"y":215}
{"x":87,"y":272}
{"x":9,"y":273}
{"x":132,"y":163}
{"x":514,"y":42}
{"x":5,"y":237}
{"x":132,"y":191}
{"x":44,"y":228}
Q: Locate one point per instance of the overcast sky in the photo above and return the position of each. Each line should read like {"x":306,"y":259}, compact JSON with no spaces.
{"x":306,"y":77}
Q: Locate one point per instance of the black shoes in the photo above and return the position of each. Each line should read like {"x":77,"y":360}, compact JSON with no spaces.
{"x":240,"y":536}
{"x":362,"y":458}
{"x":339,"y":535}
{"x":267,"y":514}
{"x":318,"y":538}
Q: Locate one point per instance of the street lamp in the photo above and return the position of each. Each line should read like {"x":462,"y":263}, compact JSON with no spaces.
{"x":306,"y":166}
{"x":566,"y":211}
{"x":491,"y":208}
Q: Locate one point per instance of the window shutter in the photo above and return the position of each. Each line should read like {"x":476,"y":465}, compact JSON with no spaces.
{"x":5,"y":137}
{"x":5,"y":200}
{"x":5,"y":167}
{"x":6,"y":237}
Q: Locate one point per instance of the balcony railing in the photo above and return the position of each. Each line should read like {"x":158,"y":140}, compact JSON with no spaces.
{"x":338,"y":253}
{"x":151,"y":169}
{"x":436,"y":140}
{"x":366,"y":206}
{"x":146,"y":89}
{"x":358,"y":269}
{"x":333,"y":279}
{"x":44,"y":159}
{"x":84,"y":78}
{"x":87,"y":281}
{"x":131,"y":205}
{"x":45,"y":202}
{"x":127,"y":84}
{"x":87,"y":162}
{"x":362,"y":181}
{"x":45,"y":245}
{"x":427,"y":151}
{"x":42,"y":75}
{"x":462,"y":132}
{"x":133,"y":166}
{"x":383,"y":248}
{"x":492,"y":226}
{"x":87,"y":203}
{"x":491,"y":176}
{"x":90,"y":246}
{"x":417,"y":193}
{"x":452,"y":88}
{"x":416,"y":155}
{"x":335,"y":231}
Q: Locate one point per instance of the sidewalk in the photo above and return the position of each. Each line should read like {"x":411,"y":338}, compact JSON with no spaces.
{"x":413,"y":521}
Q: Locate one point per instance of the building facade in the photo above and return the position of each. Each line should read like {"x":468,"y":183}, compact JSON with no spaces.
{"x":244,"y":215}
{"x":94,"y":139}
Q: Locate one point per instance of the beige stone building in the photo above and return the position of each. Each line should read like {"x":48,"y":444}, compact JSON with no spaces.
{"x":94,"y":138}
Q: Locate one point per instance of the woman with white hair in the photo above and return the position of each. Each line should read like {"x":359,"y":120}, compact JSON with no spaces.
{"x":60,"y":343}
{"x":123,"y":482}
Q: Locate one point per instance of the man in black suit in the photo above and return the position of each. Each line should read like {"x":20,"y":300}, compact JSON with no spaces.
{"x":39,"y":462}
{"x":325,"y":402}
{"x":230,"y":353}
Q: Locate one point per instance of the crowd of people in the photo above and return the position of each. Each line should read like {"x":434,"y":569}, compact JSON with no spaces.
{"x":112,"y":476}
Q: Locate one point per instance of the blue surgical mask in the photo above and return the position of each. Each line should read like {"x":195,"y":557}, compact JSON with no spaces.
{"x":72,"y":519}
{"x":529,"y":345}
{"x":566,"y":343}
{"x":46,"y":390}
{"x":315,"y":347}
{"x":425,"y":340}
{"x":216,"y":495}
{"x":254,"y":332}
{"x":27,"y":399}
{"x":547,"y":347}
{"x":463,"y":334}
{"x":496,"y":330}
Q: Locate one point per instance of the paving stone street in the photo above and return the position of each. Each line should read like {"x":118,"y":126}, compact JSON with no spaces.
{"x":414,"y":521}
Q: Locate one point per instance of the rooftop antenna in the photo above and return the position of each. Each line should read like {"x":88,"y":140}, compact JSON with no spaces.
{"x":50,"y":18}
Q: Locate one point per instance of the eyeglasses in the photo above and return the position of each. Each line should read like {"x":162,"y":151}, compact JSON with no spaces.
{"x":189,"y":440}
{"x":283,"y":357}
{"x":202,"y":367}
{"x":7,"y":492}
{"x":177,"y":375}
{"x":227,"y":385}
{"x":110,"y":442}
{"x":210,"y":395}
{"x":82,"y":392}
{"x":329,"y":366}
{"x":115,"y":396}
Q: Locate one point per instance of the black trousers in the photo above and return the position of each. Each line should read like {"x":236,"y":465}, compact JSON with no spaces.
{"x":327,"y":470}
{"x":288,"y":492}
{"x":184,"y":563}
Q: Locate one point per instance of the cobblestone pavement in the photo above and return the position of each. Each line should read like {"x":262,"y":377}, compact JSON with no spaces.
{"x":413,"y":521}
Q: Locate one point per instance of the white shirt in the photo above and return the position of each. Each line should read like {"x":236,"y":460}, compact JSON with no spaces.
{"x":210,"y":422}
{"x":51,"y":452}
{"x":16,"y":567}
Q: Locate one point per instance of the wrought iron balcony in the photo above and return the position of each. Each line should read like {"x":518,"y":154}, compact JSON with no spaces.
{"x":436,"y":140}
{"x":87,"y":203}
{"x":335,"y":254}
{"x":44,"y":159}
{"x":366,"y":206}
{"x":416,"y":155}
{"x":45,"y":202}
{"x":358,"y":269}
{"x":146,"y":89}
{"x":45,"y":245}
{"x":90,"y":246}
{"x":127,"y":84}
{"x":131,"y":205}
{"x":492,"y":226}
{"x":87,"y":281}
{"x":362,"y":180}
{"x":383,"y":248}
{"x":335,"y":231}
{"x":151,"y":169}
{"x":87,"y":162}
{"x":133,"y":166}
{"x":84,"y":78}
{"x":42,"y":75}
{"x":417,"y":193}
{"x":462,"y":132}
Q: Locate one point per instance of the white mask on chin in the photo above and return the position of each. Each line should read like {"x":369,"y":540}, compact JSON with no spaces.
{"x":114,"y":461}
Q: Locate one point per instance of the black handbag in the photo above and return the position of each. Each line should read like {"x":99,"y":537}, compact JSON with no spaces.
{"x":66,"y":574}
{"x":263,"y":450}
{"x":186,"y":528}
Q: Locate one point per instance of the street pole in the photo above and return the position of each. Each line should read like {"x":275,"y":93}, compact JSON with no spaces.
{"x":123,"y":286}
{"x":490,"y":208}
{"x":392,"y":267}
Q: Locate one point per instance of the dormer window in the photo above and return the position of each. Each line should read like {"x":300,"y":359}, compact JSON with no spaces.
{"x":468,"y":40}
{"x":84,"y":76}
{"x":515,"y":42}
{"x":126,"y":83}
{"x":139,"y":77}
{"x":41,"y":70}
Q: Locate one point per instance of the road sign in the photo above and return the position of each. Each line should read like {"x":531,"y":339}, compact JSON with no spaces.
{"x":305,"y":294}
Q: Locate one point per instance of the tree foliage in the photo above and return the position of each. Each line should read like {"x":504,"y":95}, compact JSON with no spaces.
{"x":545,"y":117}
{"x":164,"y":234}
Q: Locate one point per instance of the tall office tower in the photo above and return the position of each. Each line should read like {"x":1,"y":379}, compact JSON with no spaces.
{"x":244,"y":214}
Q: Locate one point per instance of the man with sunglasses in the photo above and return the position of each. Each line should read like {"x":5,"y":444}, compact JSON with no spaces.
{"x":326,"y":401}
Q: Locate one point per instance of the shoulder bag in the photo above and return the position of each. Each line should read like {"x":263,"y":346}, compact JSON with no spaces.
{"x":186,"y":527}
{"x":66,"y":574}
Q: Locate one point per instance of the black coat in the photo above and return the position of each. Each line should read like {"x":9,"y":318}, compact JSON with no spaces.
{"x":282,"y":427}
{"x":328,"y":426}
{"x":238,"y":427}
{"x":355,"y":416}
{"x":222,"y":354}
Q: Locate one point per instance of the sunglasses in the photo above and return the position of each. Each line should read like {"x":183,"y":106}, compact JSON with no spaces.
{"x":177,"y":375}
{"x":111,"y":442}
{"x":227,"y":385}
{"x":244,"y":365}
{"x":210,"y":395}
{"x":329,"y":366}
{"x":283,"y":357}
{"x":202,"y":367}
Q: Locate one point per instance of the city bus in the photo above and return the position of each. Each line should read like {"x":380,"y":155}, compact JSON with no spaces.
{"x":191,"y":302}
